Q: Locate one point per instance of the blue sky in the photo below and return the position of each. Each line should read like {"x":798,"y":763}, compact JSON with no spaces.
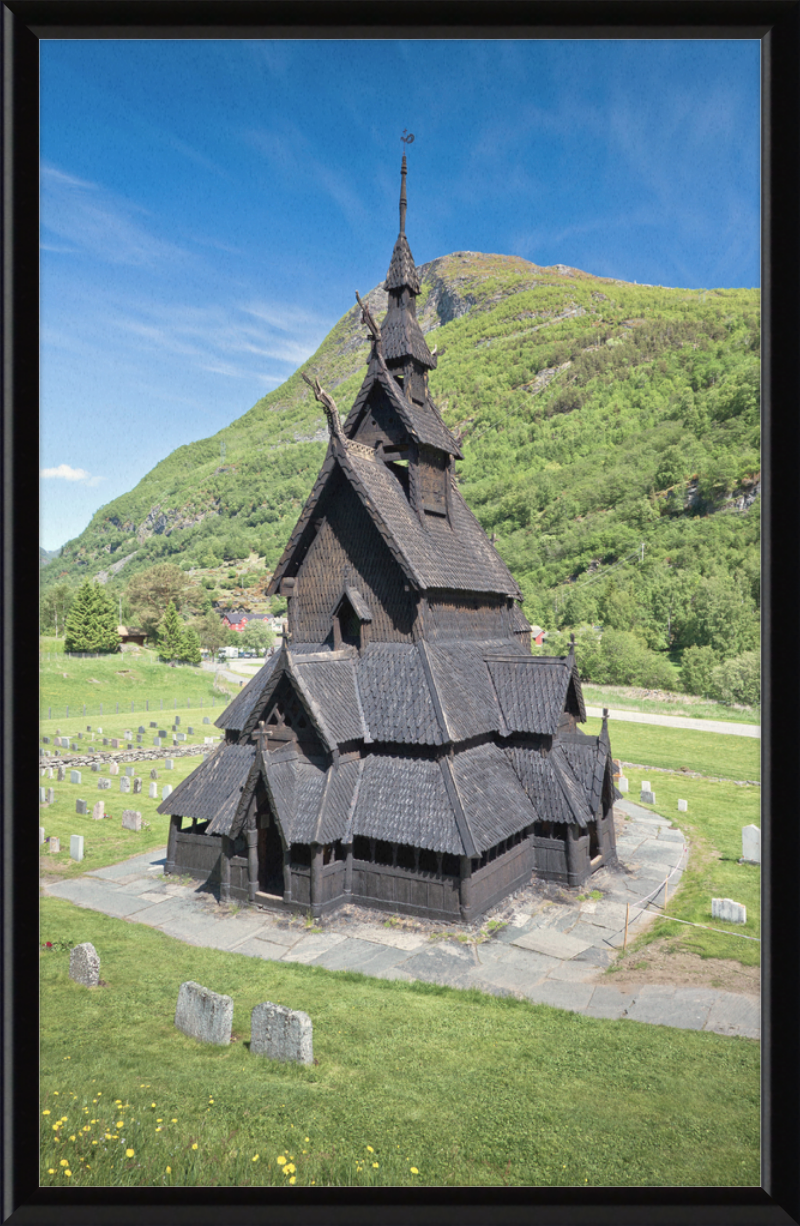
{"x":208,"y":208}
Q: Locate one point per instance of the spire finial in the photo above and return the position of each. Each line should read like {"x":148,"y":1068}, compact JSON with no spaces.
{"x":407,"y":139}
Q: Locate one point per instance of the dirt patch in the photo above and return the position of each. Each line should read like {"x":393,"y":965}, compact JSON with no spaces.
{"x":661,"y":963}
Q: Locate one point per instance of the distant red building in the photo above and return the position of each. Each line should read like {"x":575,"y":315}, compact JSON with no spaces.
{"x":238,"y":619}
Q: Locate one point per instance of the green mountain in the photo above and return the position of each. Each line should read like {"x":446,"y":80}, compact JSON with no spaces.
{"x":47,"y":555}
{"x":611,"y":444}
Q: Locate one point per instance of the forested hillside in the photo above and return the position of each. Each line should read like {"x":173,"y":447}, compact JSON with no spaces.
{"x":610,"y":436}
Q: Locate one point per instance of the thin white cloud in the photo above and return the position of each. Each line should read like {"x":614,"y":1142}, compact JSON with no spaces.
{"x":65,"y":472}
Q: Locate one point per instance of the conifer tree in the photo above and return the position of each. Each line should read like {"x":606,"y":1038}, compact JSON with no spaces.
{"x":170,"y":634}
{"x":92,"y":621}
{"x":190,"y":647}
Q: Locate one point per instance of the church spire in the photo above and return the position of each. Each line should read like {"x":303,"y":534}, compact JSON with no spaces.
{"x":402,"y":337}
{"x":403,"y":201}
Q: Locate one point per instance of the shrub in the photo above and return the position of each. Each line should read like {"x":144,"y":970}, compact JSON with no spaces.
{"x":697,"y":666}
{"x":738,"y":680}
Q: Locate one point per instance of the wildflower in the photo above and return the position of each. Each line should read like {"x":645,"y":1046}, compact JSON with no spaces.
{"x":194,"y":1145}
{"x":289,"y":1169}
{"x":308,"y":1138}
{"x":51,"y":1170}
{"x":158,"y":1129}
{"x":120,"y":1123}
{"x":45,"y":1113}
{"x":174,"y":1120}
{"x":152,"y":1104}
{"x":72,"y":1138}
{"x":68,"y":1172}
{"x":63,"y":1162}
{"x":169,"y":1170}
{"x":55,"y":1127}
{"x":211,"y":1100}
{"x":414,"y":1171}
{"x":292,"y":1179}
{"x":159,"y":1121}
{"x":281,"y":1161}
{"x":370,"y":1150}
{"x":254,"y":1158}
{"x":129,"y":1153}
{"x":375,"y":1165}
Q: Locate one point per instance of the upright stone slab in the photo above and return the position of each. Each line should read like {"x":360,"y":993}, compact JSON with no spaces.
{"x":51,"y":796}
{"x":683,"y":806}
{"x":154,"y":773}
{"x":130,"y":771}
{"x":751,"y":844}
{"x":50,"y":772}
{"x":105,"y":740}
{"x":80,"y":807}
{"x":54,"y":845}
{"x":115,"y":742}
{"x":95,"y":767}
{"x":76,"y":846}
{"x":157,"y":742}
{"x":84,"y":965}
{"x":180,"y":737}
{"x":646,"y":785}
{"x":206,"y":719}
{"x":162,"y":732}
{"x":153,"y":723}
{"x":41,"y":835}
{"x":42,"y":796}
{"x":168,"y":764}
{"x":203,"y":1014}
{"x":153,"y":792}
{"x":104,"y":784}
{"x":166,"y":791}
{"x":728,"y":910}
{"x":141,"y":729}
{"x":190,"y":731}
{"x":622,"y":784}
{"x":131,"y":819}
{"x":177,"y":719}
{"x":281,"y":1033}
{"x":61,"y":774}
{"x":137,"y":786}
{"x":647,"y":798}
{"x":113,"y":768}
{"x":127,"y":734}
{"x":98,"y":810}
{"x":124,"y":784}
{"x":74,"y":776}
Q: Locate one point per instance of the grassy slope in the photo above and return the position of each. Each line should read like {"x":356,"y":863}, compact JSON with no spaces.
{"x":465,"y":1088}
{"x":714,"y":754}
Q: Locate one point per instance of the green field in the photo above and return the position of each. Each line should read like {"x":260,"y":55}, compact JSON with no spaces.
{"x":414,"y":1084}
{"x":624,"y":698}
{"x":715,"y":754}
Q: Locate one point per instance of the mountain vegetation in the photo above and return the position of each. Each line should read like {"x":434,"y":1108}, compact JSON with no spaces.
{"x":91,"y":621}
{"x":611,"y":447}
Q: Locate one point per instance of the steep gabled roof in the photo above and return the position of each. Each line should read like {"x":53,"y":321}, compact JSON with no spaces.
{"x":402,"y":269}
{"x":213,"y":790}
{"x":401,"y":336}
{"x":237,"y":713}
{"x":404,"y":800}
{"x":532,"y":690}
{"x":395,"y":696}
{"x":423,"y":422}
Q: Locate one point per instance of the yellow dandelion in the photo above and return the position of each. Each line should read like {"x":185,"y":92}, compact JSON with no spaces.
{"x":375,"y":1164}
{"x":68,"y":1171}
{"x":51,"y":1170}
{"x":86,"y":1128}
{"x":129,"y":1153}
{"x":289,"y":1169}
{"x":414,"y":1170}
{"x":281,"y":1161}
{"x":159,"y":1120}
{"x":254,"y":1158}
{"x":72,"y":1138}
{"x":158,"y":1129}
{"x":93,"y":1121}
{"x":108,"y":1136}
{"x":169,"y":1170}
{"x":292,"y":1179}
{"x":308,"y":1138}
{"x":94,"y":1142}
{"x":55,"y":1092}
{"x":370,"y":1150}
{"x":211,"y":1100}
{"x":55,"y":1127}
{"x":120,"y":1123}
{"x":174,"y":1119}
{"x":63,"y":1162}
{"x":45,"y":1113}
{"x":152,"y":1104}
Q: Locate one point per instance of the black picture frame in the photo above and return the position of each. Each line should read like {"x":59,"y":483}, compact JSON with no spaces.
{"x":776,"y":23}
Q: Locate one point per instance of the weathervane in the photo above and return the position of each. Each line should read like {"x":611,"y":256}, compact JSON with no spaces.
{"x":407,"y":140}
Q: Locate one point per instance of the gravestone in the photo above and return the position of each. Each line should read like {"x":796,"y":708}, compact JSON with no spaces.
{"x":646,"y":785}
{"x":751,"y":844}
{"x":104,"y":783}
{"x":80,"y":807}
{"x":647,"y":798}
{"x":153,"y":723}
{"x":162,"y":732}
{"x":203,"y":1014}
{"x":190,"y":731}
{"x":137,"y":786}
{"x":129,"y":745}
{"x":80,"y":736}
{"x":51,"y":796}
{"x":683,"y":806}
{"x":281,"y":1033}
{"x":728,"y":910}
{"x":206,"y":719}
{"x":622,"y":784}
{"x":154,"y":773}
{"x":74,"y":746}
{"x":46,"y":740}
{"x":76,"y":846}
{"x":124,"y":784}
{"x":209,"y":740}
{"x":98,"y":810}
{"x":168,"y":764}
{"x":153,"y":792}
{"x":181,"y":736}
{"x":54,"y":844}
{"x":41,"y":835}
{"x":141,"y":728}
{"x":50,"y":772}
{"x":139,"y":739}
{"x":84,"y":965}
{"x":127,"y":734}
{"x":95,"y":767}
{"x":130,"y":771}
{"x":88,"y":727}
{"x":98,"y":730}
{"x":114,"y":742}
{"x":166,"y":791}
{"x":177,"y":719}
{"x":105,"y":740}
{"x":42,"y":796}
{"x":157,"y":742}
{"x":131,"y":819}
{"x":74,"y":776}
{"x":113,"y":768}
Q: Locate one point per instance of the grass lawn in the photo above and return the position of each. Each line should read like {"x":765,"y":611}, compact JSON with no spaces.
{"x":123,"y":679}
{"x":713,"y":826}
{"x":415,"y":1084}
{"x":77,"y":728}
{"x":625,"y":698}
{"x":105,"y":842}
{"x":716,"y":754}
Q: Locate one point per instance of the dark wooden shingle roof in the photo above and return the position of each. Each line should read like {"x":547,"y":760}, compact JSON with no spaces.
{"x":213,"y":790}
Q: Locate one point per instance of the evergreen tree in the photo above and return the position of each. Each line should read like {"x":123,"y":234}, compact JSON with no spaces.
{"x":92,"y":621}
{"x":170,"y":634}
{"x":190,"y":647}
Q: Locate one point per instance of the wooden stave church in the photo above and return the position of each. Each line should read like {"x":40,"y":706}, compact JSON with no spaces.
{"x":403,"y":750}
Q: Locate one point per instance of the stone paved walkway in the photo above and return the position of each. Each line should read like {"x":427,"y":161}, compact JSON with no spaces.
{"x":554,"y":956}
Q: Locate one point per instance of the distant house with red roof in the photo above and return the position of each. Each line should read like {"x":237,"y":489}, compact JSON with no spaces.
{"x":239,"y":619}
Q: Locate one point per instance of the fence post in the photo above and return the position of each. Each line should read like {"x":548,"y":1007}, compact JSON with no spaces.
{"x":117,"y":708}
{"x":49,"y":712}
{"x":101,"y":708}
{"x":162,"y":704}
{"x":147,"y":704}
{"x":84,"y":708}
{"x":67,"y":715}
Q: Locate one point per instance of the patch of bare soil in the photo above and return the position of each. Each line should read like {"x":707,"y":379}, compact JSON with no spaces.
{"x":662,"y":963}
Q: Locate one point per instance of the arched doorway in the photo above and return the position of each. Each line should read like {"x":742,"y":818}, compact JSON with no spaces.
{"x":270,"y":859}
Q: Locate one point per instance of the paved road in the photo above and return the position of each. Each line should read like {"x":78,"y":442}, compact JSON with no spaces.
{"x":551,"y":954}
{"x":680,"y":721}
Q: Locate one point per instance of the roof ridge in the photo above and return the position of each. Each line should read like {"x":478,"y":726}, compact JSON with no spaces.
{"x":459,"y":812}
{"x":438,"y":705}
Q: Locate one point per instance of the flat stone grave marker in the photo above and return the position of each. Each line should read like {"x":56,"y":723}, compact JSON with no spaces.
{"x":124,"y":784}
{"x":647,"y":798}
{"x":74,"y":776}
{"x":98,"y":810}
{"x":281,"y":1033}
{"x":76,"y":846}
{"x":751,"y":844}
{"x":41,"y":835}
{"x":131,"y":819}
{"x":51,"y":796}
{"x":130,"y":771}
{"x":54,"y":844}
{"x":204,"y":1015}
{"x":153,"y":791}
{"x":113,"y":768}
{"x":168,"y":764}
{"x":42,"y":796}
{"x":683,"y":806}
{"x":84,"y":965}
{"x":728,"y":910}
{"x":80,"y":807}
{"x":166,"y":791}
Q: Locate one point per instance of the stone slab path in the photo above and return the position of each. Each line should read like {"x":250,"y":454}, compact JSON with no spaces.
{"x":554,"y":957}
